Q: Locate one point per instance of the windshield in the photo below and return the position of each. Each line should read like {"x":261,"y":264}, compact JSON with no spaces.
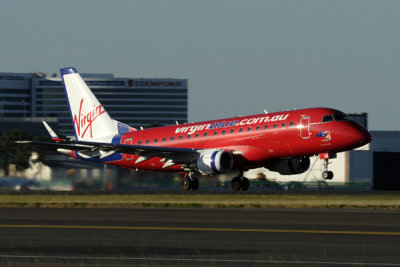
{"x":342,"y":117}
{"x":327,"y":118}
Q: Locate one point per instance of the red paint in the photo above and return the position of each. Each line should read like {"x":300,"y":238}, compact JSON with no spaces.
{"x":289,"y":134}
{"x":84,"y":122}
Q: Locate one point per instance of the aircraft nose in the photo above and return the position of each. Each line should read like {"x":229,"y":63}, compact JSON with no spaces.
{"x":359,"y":136}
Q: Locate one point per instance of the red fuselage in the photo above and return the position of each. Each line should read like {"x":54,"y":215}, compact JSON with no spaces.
{"x":253,"y":140}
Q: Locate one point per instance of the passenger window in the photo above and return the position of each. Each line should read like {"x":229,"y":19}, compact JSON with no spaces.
{"x":240,"y":130}
{"x":274,"y":126}
{"x":164,"y":139}
{"x":258,"y":128}
{"x":215,"y":133}
{"x":291,"y":123}
{"x":180,"y":137}
{"x":205,"y":134}
{"x":197,"y":135}
{"x":139,"y":143}
{"x":188,"y":137}
{"x":223,"y":132}
{"x":172,"y":138}
{"x":283,"y":125}
{"x":327,"y":118}
{"x":249,"y":129}
{"x":155,"y":140}
{"x":232,"y":131}
{"x":147,"y":141}
{"x":266,"y":127}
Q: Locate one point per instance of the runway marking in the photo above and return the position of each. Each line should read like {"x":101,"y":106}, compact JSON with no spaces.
{"x":298,"y":231}
{"x":196,"y":260}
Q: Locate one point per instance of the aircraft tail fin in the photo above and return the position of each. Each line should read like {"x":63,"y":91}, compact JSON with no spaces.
{"x":90,"y":120}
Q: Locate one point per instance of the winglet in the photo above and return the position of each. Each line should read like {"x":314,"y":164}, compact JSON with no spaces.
{"x":53,"y":134}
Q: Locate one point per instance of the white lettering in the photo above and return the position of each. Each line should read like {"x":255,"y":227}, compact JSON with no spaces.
{"x":226,"y":124}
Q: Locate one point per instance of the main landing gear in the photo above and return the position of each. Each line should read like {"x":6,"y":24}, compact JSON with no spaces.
{"x":326,"y":174}
{"x":240,"y":183}
{"x":190,"y":182}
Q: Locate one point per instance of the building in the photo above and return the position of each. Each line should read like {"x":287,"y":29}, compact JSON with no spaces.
{"x":28,"y":124}
{"x":373,"y":166}
{"x":133,"y":101}
{"x":15,"y":94}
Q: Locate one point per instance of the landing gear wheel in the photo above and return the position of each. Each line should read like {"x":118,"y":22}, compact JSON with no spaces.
{"x":327,"y":175}
{"x":190,"y":183}
{"x":236,"y":184}
{"x":240,"y":183}
{"x":195,"y":183}
{"x":186,"y":184}
{"x":245,"y":184}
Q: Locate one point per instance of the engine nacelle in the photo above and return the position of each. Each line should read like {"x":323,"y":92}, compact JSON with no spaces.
{"x":214,"y":161}
{"x":291,"y":166}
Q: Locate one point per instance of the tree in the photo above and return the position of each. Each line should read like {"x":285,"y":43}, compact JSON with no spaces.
{"x":12,"y":153}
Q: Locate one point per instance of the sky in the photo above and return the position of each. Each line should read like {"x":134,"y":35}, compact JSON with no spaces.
{"x":240,"y":57}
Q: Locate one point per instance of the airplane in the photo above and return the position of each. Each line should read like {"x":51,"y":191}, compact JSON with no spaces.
{"x":280,"y":141}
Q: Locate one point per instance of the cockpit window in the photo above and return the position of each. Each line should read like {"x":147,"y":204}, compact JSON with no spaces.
{"x":341,"y":117}
{"x":327,"y":118}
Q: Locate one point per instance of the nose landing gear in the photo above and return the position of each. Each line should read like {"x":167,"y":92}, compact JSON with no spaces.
{"x":326,"y":174}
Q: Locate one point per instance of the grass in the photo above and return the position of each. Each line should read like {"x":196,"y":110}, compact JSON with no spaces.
{"x":300,"y":200}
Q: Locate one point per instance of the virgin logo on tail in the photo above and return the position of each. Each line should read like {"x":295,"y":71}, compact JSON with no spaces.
{"x":83,"y":122}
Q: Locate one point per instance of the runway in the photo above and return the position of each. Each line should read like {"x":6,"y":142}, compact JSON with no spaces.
{"x":199,"y":237}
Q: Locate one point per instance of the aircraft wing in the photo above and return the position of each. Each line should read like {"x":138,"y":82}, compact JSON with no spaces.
{"x":170,"y":155}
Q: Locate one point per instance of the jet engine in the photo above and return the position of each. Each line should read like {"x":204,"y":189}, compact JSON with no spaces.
{"x":213,"y":161}
{"x":291,"y":166}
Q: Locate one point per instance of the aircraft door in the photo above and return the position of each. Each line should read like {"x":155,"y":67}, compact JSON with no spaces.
{"x":305,"y":127}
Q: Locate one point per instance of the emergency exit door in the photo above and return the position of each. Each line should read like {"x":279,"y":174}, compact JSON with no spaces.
{"x":305,"y":127}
